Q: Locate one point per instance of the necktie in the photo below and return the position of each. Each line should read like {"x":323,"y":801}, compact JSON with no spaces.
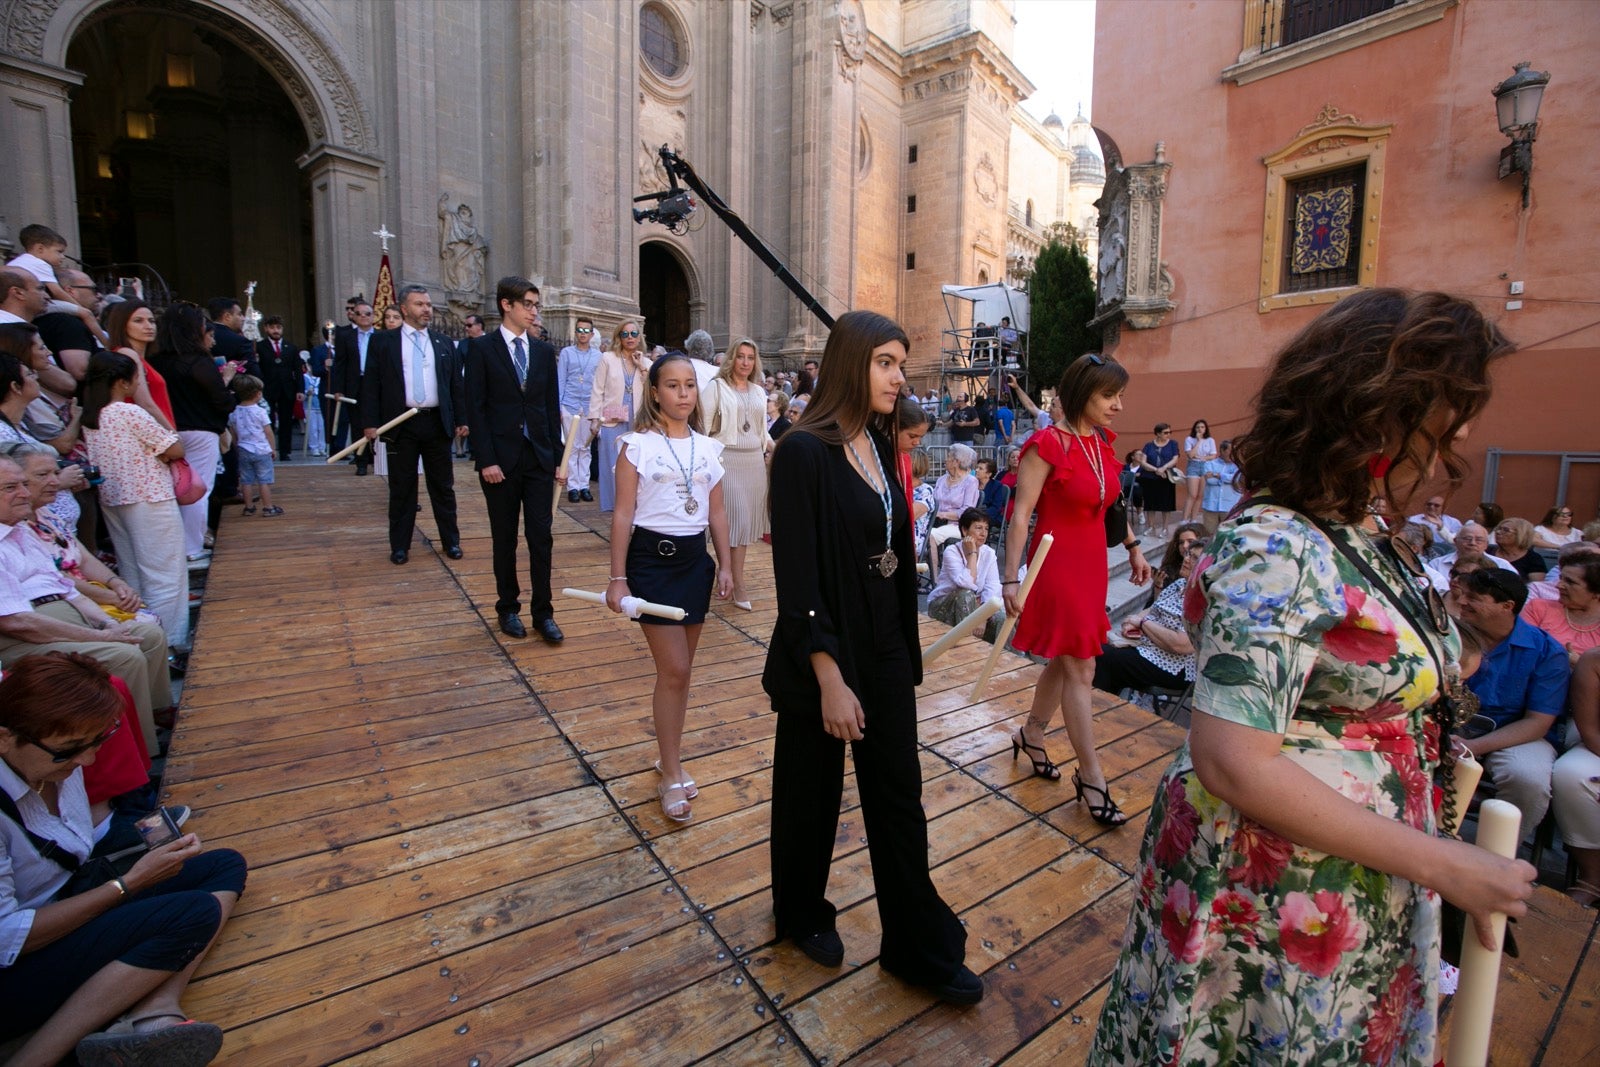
{"x":520,"y":358}
{"x":419,"y":385}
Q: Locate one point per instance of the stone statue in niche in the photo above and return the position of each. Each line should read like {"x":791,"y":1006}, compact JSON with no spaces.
{"x":1113,"y":263}
{"x":463,"y":251}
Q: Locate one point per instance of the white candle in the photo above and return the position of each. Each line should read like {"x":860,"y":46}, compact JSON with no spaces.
{"x":1472,"y":1013}
{"x":632,"y":606}
{"x":979,"y":616}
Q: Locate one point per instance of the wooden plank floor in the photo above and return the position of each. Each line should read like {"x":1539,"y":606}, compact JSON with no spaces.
{"x":458,"y":858}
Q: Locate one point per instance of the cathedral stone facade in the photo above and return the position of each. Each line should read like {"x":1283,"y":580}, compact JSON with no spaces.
{"x":218,"y":142}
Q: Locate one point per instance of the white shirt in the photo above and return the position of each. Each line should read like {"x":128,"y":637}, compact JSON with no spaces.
{"x":362,"y":337}
{"x":36,"y":267}
{"x":28,"y":881}
{"x":511,"y":347}
{"x":29,"y":571}
{"x":703,"y":374}
{"x":409,"y":340}
{"x":953,"y":573}
{"x":660,"y":503}
{"x":6,"y":316}
{"x":1450,"y":527}
{"x":1444,"y":563}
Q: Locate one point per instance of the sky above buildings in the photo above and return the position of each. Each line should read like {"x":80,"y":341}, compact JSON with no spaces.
{"x":1055,"y":49}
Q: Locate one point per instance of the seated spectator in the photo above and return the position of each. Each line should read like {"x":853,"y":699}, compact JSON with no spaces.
{"x":1555,"y":530}
{"x":80,"y":944}
{"x":921,"y":502}
{"x":992,"y":494}
{"x":1184,"y":537}
{"x":969,"y":575}
{"x":1471,"y":546}
{"x":1513,"y":540}
{"x":1573,"y":619}
{"x":48,"y":417}
{"x":19,"y":387}
{"x":1009,"y":479}
{"x":1420,"y":537}
{"x":1457,"y":576}
{"x":1221,"y":487}
{"x":1547,"y":588}
{"x":957,"y":489}
{"x":1488,"y":516}
{"x":1575,"y":794}
{"x":1444,"y":527}
{"x":777,"y":413}
{"x":41,"y":611}
{"x":1591,"y":532}
{"x":1522,"y":686}
{"x":1163,"y":657}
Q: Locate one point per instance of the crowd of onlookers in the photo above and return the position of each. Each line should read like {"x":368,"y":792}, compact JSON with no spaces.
{"x":113,"y":418}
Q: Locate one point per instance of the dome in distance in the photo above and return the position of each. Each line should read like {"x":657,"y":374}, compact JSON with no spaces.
{"x":1053,"y":122}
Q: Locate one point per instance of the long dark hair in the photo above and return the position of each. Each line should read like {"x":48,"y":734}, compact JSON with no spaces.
{"x":1362,"y":381}
{"x":839,"y":406}
{"x":1085,"y":378}
{"x":105,"y":369}
{"x":182,"y":332}
{"x":117,"y":322}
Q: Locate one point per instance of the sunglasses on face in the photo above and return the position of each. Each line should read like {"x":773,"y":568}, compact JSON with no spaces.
{"x":65,"y":755}
{"x":630,"y":333}
{"x":584,"y":329}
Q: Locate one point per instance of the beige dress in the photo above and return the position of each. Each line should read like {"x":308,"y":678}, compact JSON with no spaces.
{"x":738,"y":419}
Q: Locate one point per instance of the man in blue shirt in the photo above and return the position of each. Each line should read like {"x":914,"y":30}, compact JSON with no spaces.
{"x":1522,"y":686}
{"x":1004,"y":422}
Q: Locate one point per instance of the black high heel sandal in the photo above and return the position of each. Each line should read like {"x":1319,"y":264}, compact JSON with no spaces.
{"x":1042,"y":768}
{"x":1106,"y":814}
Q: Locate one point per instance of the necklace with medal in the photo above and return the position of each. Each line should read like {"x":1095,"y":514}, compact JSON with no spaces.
{"x":888,"y":561}
{"x":690,"y":504}
{"x":1096,"y":465}
{"x":744,"y":406}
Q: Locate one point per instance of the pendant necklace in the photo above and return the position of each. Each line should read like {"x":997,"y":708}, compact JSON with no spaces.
{"x":690,"y":504}
{"x":888,"y":561}
{"x":1096,"y":465}
{"x":744,"y":408}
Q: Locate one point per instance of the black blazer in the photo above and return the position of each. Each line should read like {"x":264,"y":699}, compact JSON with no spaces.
{"x":280,"y":375}
{"x":347,"y":364}
{"x":497,"y":409}
{"x":383,"y":387}
{"x":233,"y":346}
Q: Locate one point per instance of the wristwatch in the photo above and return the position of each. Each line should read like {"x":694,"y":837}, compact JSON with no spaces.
{"x":1131,"y":544}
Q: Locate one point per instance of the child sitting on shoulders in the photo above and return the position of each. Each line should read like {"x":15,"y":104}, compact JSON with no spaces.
{"x":969,"y":575}
{"x":669,"y":491}
{"x":251,"y":423}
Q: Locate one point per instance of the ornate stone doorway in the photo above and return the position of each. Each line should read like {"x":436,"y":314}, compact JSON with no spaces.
{"x":665,"y":293}
{"x":185,"y":148}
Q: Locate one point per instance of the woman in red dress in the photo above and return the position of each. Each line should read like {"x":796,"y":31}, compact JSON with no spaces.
{"x":1070,"y":473}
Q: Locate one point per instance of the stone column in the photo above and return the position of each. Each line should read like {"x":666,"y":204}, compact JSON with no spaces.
{"x":36,"y":130}
{"x":345,"y":205}
{"x":1149,"y":285}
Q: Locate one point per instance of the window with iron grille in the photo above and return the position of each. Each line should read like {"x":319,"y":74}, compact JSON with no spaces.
{"x":1322,"y":242}
{"x":1308,"y":18}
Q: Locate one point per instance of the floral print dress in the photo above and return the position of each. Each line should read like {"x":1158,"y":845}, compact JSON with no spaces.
{"x":1244,"y":947}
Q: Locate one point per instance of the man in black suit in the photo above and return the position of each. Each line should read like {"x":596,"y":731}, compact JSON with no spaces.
{"x":514,"y":412}
{"x":349,"y":365}
{"x":474,"y":324}
{"x":280,"y":379}
{"x":414,"y":367}
{"x":231,"y":346}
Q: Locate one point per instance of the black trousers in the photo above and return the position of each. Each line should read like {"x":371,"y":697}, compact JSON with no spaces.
{"x":1120,"y":667}
{"x":923,"y":941}
{"x":282,"y":408}
{"x":526,"y":493}
{"x":425,"y":435}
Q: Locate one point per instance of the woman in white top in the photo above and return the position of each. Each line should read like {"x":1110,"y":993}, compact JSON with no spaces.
{"x":668,"y":493}
{"x":1555,"y":529}
{"x":969,"y":575}
{"x":957,"y":489}
{"x":137,"y":499}
{"x":734,"y":409}
{"x":1198,"y":449}
{"x":614,"y":399}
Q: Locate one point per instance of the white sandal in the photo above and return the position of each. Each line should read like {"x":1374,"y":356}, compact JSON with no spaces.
{"x":689,"y":790}
{"x":680,"y":806}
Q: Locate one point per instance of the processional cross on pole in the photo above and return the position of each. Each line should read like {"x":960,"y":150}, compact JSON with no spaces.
{"x":383,"y":234}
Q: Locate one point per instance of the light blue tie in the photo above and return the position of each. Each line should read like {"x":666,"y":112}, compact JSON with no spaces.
{"x":419,"y":385}
{"x":520,"y":358}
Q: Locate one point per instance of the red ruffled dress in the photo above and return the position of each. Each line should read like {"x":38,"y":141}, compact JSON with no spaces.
{"x":1066,"y":610}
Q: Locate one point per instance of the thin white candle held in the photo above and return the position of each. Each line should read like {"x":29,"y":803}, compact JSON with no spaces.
{"x":1472,"y":1012}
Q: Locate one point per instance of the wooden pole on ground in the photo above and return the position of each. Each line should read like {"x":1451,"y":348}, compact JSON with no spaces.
{"x":566,"y":456}
{"x":362,"y":441}
{"x":979,"y":616}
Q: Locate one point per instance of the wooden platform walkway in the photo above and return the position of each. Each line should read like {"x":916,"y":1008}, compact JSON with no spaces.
{"x":458,"y":858}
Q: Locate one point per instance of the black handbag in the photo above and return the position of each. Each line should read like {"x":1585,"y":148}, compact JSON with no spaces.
{"x":113,"y":856}
{"x":1116,"y":514}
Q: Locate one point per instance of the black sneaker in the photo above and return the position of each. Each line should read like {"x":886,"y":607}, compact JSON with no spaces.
{"x":964,"y":988}
{"x":572,"y":496}
{"x":824,"y":947}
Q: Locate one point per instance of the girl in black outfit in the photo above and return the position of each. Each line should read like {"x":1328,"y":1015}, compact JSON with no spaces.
{"x":843,"y":663}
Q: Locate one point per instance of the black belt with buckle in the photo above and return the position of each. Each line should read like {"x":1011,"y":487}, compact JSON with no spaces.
{"x":665,"y":544}
{"x":39,"y":601}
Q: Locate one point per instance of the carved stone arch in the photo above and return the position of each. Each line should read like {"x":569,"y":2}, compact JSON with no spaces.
{"x":306,"y":61}
{"x":678,"y":249}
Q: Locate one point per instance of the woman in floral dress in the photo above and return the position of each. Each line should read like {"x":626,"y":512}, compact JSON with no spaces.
{"x":1290,"y":875}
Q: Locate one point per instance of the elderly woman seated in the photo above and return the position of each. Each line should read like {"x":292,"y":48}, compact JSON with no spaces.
{"x":85,"y":938}
{"x":1162,"y":657}
{"x":969,"y":575}
{"x":957,"y":489}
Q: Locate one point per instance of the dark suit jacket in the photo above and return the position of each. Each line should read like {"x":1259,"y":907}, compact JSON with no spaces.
{"x":497,"y":409}
{"x":347,"y":364}
{"x":279,"y":374}
{"x":383,"y":387}
{"x":235,"y":346}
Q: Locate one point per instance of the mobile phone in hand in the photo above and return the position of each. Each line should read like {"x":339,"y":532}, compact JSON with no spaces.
{"x":158,"y":828}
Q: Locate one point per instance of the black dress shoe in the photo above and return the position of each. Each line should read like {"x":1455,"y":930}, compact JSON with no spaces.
{"x":825,"y":947}
{"x":586,"y":496}
{"x":964,"y":988}
{"x":454,"y":552}
{"x":572,"y":496}
{"x":398,"y":556}
{"x":549,"y":631}
{"x":511,"y":626}
{"x":361,"y":472}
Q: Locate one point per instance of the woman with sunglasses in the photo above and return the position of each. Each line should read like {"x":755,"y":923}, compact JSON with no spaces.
{"x":1291,"y":870}
{"x":77,"y":951}
{"x":1555,"y":529}
{"x":619,"y":386}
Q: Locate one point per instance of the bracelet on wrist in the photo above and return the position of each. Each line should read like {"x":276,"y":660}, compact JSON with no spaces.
{"x":121,"y":886}
{"x":1004,"y":584}
{"x":619,"y":577}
